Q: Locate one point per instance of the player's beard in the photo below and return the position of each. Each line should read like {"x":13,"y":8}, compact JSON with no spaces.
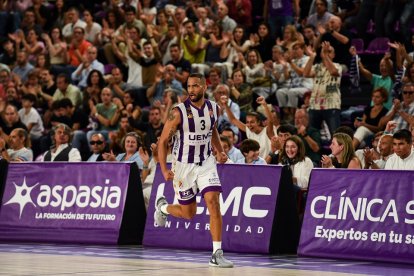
{"x":197,"y":97}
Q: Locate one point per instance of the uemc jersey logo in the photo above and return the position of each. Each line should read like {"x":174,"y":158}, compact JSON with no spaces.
{"x":65,"y":196}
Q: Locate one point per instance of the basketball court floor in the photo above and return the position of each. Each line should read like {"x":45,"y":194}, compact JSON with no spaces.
{"x":50,"y":259}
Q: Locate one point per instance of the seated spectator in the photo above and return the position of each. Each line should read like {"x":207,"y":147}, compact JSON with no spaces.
{"x":401,"y":112}
{"x":116,"y":82}
{"x":182,"y":66}
{"x":278,"y":142}
{"x":19,"y":147}
{"x":98,"y":146}
{"x":73,"y":22}
{"x":288,"y":97}
{"x":293,"y":155}
{"x":233,"y":153}
{"x":290,"y":37}
{"x":80,"y":75}
{"x":385,"y":147}
{"x":95,"y":83}
{"x":250,"y":150}
{"x":106,"y":113}
{"x":67,"y":90}
{"x":132,"y":147}
{"x":403,"y":157}
{"x":116,"y":137}
{"x":30,"y":117}
{"x":222,"y":90}
{"x":311,"y":137}
{"x":23,"y":67}
{"x":252,"y":67}
{"x":343,"y":154}
{"x":92,"y":29}
{"x":10,"y":120}
{"x":56,"y":47}
{"x":263,"y":41}
{"x":369,"y":123}
{"x":193,"y":44}
{"x":62,"y":149}
{"x":164,"y":78}
{"x":241,"y":93}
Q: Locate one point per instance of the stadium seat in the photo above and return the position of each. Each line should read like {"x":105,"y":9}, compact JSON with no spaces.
{"x":358,"y":43}
{"x":378,"y":45}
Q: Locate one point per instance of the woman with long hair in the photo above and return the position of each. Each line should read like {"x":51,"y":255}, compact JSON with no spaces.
{"x":343,"y":153}
{"x":293,"y":155}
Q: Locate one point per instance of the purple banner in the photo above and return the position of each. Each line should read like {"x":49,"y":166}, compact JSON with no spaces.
{"x":248,"y":204}
{"x":69,"y":202}
{"x":359,"y":214}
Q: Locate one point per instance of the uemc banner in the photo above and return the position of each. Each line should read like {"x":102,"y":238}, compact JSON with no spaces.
{"x":360,"y":214}
{"x":247,"y":204}
{"x":73,"y":202}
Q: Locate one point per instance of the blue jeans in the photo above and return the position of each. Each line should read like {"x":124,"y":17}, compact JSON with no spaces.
{"x":332,"y":117}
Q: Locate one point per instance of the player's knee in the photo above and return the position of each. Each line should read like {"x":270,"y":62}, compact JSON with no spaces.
{"x":189,"y":214}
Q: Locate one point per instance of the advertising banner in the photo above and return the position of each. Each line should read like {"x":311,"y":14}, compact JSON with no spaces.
{"x":70,"y":202}
{"x":248,"y":204}
{"x":359,"y":214}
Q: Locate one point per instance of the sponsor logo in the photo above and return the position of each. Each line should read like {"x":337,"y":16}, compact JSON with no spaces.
{"x":62,"y":197}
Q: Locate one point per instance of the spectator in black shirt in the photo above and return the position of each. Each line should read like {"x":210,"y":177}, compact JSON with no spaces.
{"x":9,"y":121}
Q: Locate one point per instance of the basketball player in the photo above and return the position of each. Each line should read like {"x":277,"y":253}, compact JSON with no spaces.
{"x":192,"y":128}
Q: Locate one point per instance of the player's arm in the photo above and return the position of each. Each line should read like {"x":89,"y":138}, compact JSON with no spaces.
{"x":170,"y":127}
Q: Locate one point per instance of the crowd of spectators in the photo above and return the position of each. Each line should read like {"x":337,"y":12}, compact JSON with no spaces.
{"x":96,"y":80}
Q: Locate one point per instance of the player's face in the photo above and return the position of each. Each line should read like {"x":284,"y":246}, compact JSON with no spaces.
{"x":195,"y":89}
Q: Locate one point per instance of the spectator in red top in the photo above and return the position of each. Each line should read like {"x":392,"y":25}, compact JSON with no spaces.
{"x":241,"y":11}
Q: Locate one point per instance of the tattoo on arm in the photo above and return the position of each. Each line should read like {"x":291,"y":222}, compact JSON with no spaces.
{"x":171,"y":116}
{"x":171,"y":134}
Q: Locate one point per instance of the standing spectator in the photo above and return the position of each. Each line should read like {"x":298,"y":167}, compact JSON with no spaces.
{"x":339,"y":38}
{"x":385,"y":79}
{"x":228,"y":24}
{"x":241,"y":12}
{"x":166,"y":42}
{"x":281,"y":13}
{"x":321,"y":16}
{"x":253,"y":126}
{"x":403,"y":157}
{"x":77,"y":49}
{"x":193,"y":44}
{"x":325,"y":101}
{"x":62,"y":149}
{"x":346,"y":9}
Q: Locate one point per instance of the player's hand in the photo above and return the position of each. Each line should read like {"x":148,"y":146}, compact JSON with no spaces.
{"x":168,"y":175}
{"x":222,"y":157}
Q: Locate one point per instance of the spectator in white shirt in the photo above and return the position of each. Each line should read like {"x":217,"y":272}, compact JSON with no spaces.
{"x":403,"y":157}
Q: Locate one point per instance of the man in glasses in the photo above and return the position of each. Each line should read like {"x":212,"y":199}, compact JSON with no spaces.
{"x":402,"y":111}
{"x":98,"y":146}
